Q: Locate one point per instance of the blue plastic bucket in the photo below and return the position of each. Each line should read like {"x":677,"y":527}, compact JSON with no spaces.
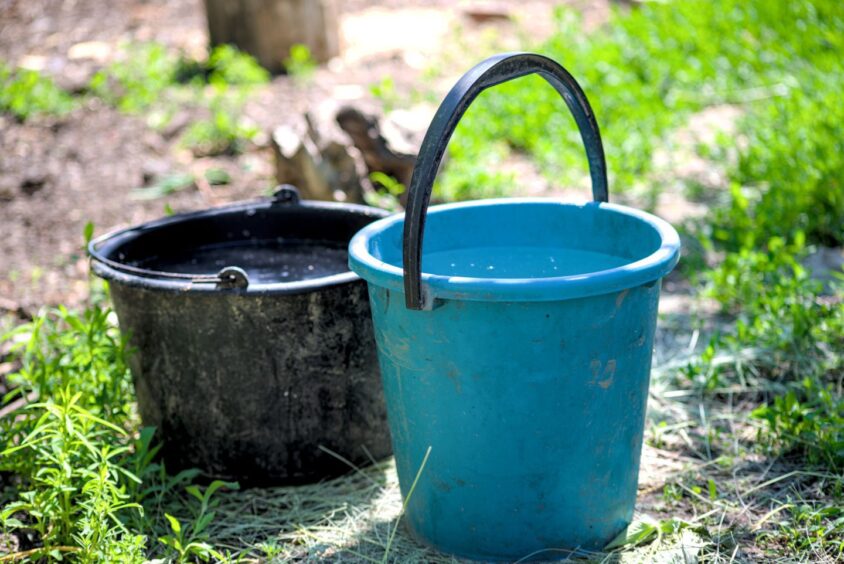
{"x":517,"y":348}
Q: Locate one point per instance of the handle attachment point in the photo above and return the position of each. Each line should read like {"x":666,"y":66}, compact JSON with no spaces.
{"x":286,"y":194}
{"x":232,"y":277}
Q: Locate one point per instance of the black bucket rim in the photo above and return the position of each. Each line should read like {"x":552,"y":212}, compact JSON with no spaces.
{"x":227,"y":280}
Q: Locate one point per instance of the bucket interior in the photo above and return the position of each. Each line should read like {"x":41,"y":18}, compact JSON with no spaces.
{"x":272,"y":244}
{"x":524,"y":240}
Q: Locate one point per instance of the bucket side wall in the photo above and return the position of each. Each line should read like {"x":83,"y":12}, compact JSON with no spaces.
{"x":534,"y":412}
{"x":249,"y":387}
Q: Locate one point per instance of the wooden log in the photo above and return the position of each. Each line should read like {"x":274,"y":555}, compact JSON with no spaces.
{"x":267,"y":29}
{"x":378,"y":153}
{"x":312,"y":155}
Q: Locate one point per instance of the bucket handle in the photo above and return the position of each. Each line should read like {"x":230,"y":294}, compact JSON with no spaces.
{"x":492,"y":71}
{"x":229,"y":277}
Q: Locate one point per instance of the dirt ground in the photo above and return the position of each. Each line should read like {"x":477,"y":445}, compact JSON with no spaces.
{"x":57,"y":174}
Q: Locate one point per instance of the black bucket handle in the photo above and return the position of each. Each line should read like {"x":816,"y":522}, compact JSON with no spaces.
{"x":492,"y":71}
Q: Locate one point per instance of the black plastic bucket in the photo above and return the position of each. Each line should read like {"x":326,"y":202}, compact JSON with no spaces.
{"x":255,"y":358}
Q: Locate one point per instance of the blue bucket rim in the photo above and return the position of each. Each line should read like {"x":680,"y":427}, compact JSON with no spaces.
{"x":648,"y":269}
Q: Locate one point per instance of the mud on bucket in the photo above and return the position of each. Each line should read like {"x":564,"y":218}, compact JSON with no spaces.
{"x":517,"y":347}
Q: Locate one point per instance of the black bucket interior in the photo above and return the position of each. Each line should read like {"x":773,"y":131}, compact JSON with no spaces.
{"x":272,"y":242}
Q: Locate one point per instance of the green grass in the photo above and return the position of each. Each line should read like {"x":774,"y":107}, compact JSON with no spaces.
{"x":225,"y":130}
{"x":87,"y":485}
{"x":645,"y":72}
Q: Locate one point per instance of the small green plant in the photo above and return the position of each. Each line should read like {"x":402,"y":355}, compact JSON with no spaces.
{"x":229,"y":66}
{"x":189,"y":541}
{"x":808,"y":422}
{"x":139,"y":80}
{"x":388,"y":195}
{"x":475,"y":169}
{"x":811,"y":527}
{"x":271,"y":550}
{"x":164,"y":187}
{"x":26,"y":93}
{"x":68,"y":440}
{"x":788,"y":176}
{"x":150,"y":77}
{"x":647,"y":70}
{"x":217,"y":176}
{"x":86,"y":488}
{"x":385,"y":91}
{"x":75,"y":488}
{"x":225,"y":131}
{"x":300,"y":64}
{"x":646,"y":529}
{"x":85,"y":351}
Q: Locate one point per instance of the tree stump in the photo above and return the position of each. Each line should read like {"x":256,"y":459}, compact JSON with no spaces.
{"x":267,"y":29}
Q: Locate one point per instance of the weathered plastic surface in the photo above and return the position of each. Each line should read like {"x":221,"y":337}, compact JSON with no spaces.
{"x":534,"y":413}
{"x":255,"y":377}
{"x":518,"y":349}
{"x":249,"y":387}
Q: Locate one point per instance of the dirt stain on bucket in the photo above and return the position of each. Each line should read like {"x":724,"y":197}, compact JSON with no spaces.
{"x":606,"y":375}
{"x":454,"y":375}
{"x":619,"y":299}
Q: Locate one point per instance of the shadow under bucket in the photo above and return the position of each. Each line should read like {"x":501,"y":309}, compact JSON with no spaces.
{"x":517,"y":347}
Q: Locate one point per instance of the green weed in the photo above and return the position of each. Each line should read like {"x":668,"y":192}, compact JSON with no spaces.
{"x":83,"y":353}
{"x":788,"y":177}
{"x":474,"y":169}
{"x":300,"y":64}
{"x":164,"y":187}
{"x":68,"y":441}
{"x":26,"y":93}
{"x":810,"y":525}
{"x":229,"y":66}
{"x":647,"y":70}
{"x":86,"y":489}
{"x":139,"y":79}
{"x":808,"y":422}
{"x":385,"y":92}
{"x":189,"y":541}
{"x":387,"y":192}
{"x":225,"y":131}
{"x":647,"y":529}
{"x":150,"y":76}
{"x":217,"y":176}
